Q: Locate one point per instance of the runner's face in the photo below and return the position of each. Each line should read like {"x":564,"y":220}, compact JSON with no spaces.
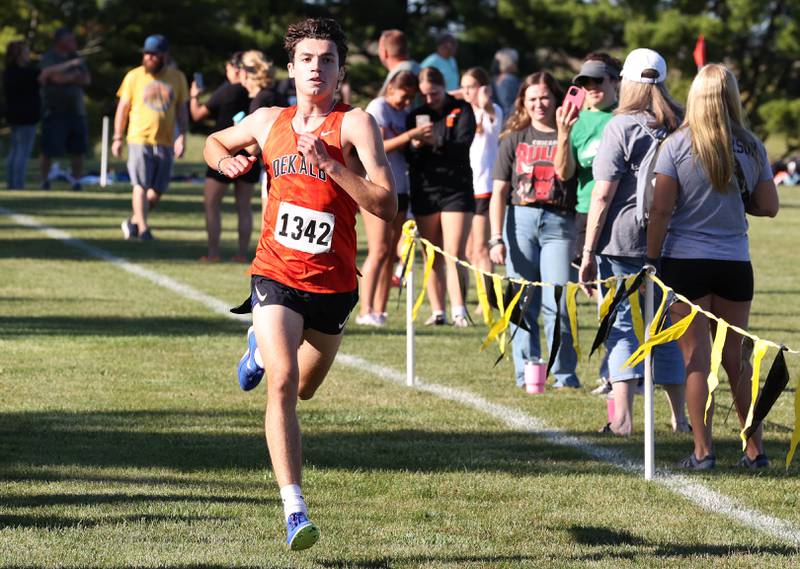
{"x":469,"y":87}
{"x":432,"y":94}
{"x":540,"y":104}
{"x":315,"y":68}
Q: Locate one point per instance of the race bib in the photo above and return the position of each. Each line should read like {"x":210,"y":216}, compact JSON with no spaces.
{"x":304,"y":229}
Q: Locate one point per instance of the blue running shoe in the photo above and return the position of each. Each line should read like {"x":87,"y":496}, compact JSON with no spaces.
{"x":249,"y":372}
{"x":301,"y":533}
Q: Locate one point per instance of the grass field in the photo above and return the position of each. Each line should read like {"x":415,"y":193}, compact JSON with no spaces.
{"x":125,"y":441}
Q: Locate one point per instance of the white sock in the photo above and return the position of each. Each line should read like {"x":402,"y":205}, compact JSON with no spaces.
{"x":293,"y":501}
{"x":459,"y":311}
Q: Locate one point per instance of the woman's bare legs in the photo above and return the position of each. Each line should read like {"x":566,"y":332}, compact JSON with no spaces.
{"x":430,"y":227}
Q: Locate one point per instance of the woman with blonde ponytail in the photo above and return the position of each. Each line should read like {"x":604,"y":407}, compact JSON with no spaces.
{"x":709,"y":173}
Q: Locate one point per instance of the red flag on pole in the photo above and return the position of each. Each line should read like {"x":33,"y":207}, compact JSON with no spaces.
{"x":699,"y":52}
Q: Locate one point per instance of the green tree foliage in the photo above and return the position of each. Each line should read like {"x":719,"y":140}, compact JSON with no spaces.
{"x":758,"y":39}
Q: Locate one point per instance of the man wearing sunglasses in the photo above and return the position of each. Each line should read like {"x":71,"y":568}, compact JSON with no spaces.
{"x":152,"y":99}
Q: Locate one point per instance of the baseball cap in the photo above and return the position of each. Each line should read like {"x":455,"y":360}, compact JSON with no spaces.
{"x":641,"y":60}
{"x":594,"y":69}
{"x":156,"y":44}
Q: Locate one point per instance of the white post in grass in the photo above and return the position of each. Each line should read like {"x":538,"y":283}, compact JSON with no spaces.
{"x":649,"y":424}
{"x":104,"y":155}
{"x":410,"y":326}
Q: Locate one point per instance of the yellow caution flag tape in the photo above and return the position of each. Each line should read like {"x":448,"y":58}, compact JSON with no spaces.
{"x":759,"y":350}
{"x":502,"y":324}
{"x":430,"y":258}
{"x":483,"y":298}
{"x":796,"y":433}
{"x":716,"y":360}
{"x":636,"y":311}
{"x":672,"y":333}
{"x":572,"y":312}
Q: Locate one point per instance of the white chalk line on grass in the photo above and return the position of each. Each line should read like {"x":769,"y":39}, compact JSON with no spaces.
{"x":698,"y":494}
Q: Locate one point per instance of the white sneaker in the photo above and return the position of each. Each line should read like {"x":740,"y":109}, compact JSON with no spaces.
{"x":366,"y":320}
{"x":461,"y":321}
{"x":603,"y":388}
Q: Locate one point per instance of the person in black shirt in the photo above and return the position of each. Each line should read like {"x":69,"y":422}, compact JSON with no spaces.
{"x":23,"y":110}
{"x":227,"y":105}
{"x":442,"y":198}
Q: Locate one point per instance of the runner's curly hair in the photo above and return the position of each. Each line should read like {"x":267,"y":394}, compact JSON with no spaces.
{"x":318,"y":29}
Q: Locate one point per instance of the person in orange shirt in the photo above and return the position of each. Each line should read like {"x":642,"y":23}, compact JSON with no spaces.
{"x":323,"y":160}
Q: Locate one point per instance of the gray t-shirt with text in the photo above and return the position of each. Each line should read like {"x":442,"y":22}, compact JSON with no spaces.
{"x":707,"y":224}
{"x":622,"y":148}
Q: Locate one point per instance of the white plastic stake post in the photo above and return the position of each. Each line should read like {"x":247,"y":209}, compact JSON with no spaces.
{"x":649,"y":425}
{"x":410,"y":326}
{"x":104,"y":155}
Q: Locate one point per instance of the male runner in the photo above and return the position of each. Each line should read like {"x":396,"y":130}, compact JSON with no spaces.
{"x":303,"y":283}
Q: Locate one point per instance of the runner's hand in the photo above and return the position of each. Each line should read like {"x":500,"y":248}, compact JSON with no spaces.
{"x":237,"y":165}
{"x":314,"y":150}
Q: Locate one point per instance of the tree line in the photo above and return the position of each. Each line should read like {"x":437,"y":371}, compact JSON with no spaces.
{"x":758,"y":39}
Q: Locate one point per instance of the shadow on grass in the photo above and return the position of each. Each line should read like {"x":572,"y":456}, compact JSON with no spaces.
{"x":619,"y":544}
{"x":389,"y":562}
{"x":84,"y":499}
{"x":188,"y":441}
{"x":72,"y":326}
{"x":67,"y":522}
{"x":192,"y":441}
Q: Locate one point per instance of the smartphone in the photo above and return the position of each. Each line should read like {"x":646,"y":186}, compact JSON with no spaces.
{"x":575,"y":95}
{"x":198,"y":80}
{"x":422,"y":120}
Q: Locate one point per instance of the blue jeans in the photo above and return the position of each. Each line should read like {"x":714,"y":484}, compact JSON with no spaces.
{"x":668,"y":367}
{"x":22,"y":137}
{"x":539,"y":248}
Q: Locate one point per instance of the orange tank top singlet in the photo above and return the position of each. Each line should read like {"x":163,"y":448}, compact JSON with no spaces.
{"x":309,"y":236}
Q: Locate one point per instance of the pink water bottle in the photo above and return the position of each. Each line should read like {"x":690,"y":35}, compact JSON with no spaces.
{"x":535,"y":375}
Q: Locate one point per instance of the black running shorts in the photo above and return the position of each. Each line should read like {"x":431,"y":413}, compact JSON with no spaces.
{"x":696,"y":278}
{"x":326,"y":313}
{"x":428,"y":202}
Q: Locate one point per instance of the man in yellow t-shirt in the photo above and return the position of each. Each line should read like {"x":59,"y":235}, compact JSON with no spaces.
{"x":152,"y":101}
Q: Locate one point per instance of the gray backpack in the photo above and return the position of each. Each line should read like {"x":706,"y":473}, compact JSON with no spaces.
{"x":645,"y":177}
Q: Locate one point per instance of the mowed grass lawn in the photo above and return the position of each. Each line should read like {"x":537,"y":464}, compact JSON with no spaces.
{"x":126,"y":442}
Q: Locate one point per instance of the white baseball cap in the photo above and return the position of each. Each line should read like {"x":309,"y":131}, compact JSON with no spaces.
{"x":641,"y":60}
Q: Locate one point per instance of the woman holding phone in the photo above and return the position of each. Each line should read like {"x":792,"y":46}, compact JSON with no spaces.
{"x":442,"y":199}
{"x":532,"y":215}
{"x":615,"y":242}
{"x":391,"y":114}
{"x":709,"y":174}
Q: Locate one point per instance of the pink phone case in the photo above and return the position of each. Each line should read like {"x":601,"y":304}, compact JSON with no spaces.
{"x":575,"y":95}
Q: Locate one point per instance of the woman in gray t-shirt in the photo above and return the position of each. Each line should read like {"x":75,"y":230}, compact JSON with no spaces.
{"x":697,"y":223}
{"x":613,"y":234}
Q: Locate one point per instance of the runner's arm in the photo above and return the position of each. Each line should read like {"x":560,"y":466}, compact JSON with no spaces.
{"x":221,"y":147}
{"x":376,"y":194}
